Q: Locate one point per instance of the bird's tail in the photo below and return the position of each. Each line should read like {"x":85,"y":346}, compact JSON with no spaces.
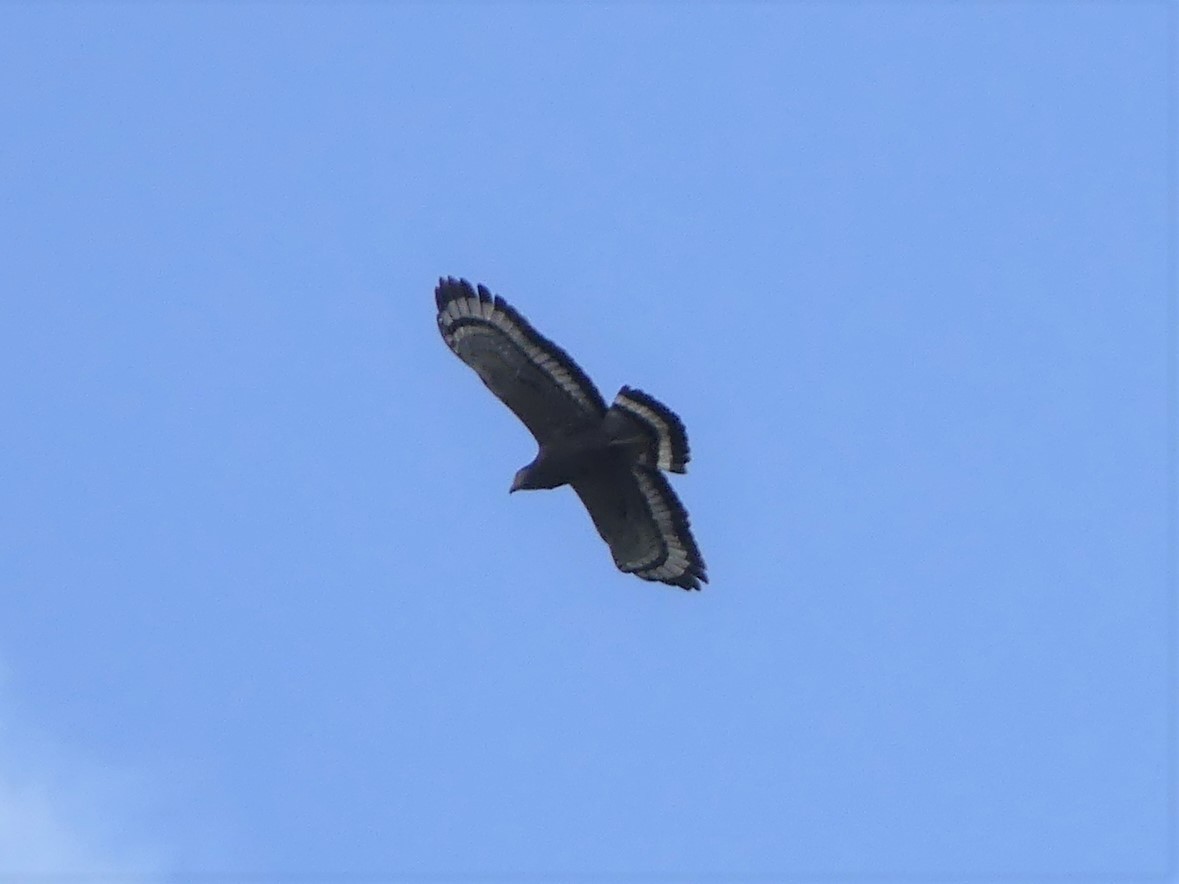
{"x":654,"y":429}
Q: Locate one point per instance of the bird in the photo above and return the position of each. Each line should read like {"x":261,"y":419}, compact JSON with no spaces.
{"x":613,"y":457}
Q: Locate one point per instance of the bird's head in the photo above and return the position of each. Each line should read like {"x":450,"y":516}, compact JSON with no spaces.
{"x":522,"y":480}
{"x":537,"y":475}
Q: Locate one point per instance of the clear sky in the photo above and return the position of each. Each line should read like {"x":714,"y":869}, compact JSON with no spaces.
{"x":265,"y":604}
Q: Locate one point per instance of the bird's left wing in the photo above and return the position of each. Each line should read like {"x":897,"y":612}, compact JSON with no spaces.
{"x":530,"y":374}
{"x":644,"y":524}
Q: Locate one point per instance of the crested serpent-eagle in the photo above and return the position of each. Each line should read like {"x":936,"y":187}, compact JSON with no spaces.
{"x":613,"y":457}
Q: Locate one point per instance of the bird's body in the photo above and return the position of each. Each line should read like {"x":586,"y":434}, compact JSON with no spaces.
{"x":566,"y":459}
{"x":612,"y":457}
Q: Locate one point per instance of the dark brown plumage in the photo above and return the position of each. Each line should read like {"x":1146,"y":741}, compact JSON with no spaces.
{"x":613,"y":457}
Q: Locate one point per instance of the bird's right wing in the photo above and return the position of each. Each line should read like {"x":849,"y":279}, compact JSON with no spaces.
{"x":530,"y":374}
{"x":644,"y":524}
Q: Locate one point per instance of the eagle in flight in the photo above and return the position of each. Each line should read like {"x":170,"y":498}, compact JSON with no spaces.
{"x":613,"y":457}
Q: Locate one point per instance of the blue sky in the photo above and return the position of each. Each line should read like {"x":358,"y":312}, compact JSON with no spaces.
{"x":267,"y":607}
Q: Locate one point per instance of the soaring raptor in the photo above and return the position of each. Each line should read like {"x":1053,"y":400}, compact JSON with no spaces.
{"x":613,"y":457}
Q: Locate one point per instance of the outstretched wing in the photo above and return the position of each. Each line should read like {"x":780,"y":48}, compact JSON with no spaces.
{"x":529,"y":373}
{"x":644,"y":524}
